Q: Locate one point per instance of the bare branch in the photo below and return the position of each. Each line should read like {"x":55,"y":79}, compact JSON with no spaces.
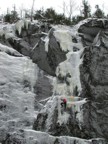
{"x":32,"y":10}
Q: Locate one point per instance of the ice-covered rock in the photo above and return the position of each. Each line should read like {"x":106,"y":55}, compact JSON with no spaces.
{"x":47,"y":53}
{"x":67,"y":38}
{"x":23,"y":35}
{"x":44,"y":86}
{"x":87,"y":79}
{"x":36,"y":137}
{"x":68,"y":75}
{"x":52,"y":50}
{"x":54,"y":120}
{"x":80,"y":76}
{"x":18,"y":76}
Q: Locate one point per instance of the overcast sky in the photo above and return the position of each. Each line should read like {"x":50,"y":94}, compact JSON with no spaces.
{"x":56,"y":4}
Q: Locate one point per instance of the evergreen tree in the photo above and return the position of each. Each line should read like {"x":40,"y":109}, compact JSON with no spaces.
{"x":32,"y":9}
{"x":50,"y":13}
{"x":86,"y":11}
{"x":77,"y":19}
{"x":39,"y":14}
{"x":11,"y":17}
{"x":98,"y":13}
{"x":56,"y":18}
{"x":14,"y":16}
{"x":7,"y":18}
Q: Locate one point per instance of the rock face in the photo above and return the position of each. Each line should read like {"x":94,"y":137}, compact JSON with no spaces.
{"x":89,"y":30}
{"x":57,"y":122}
{"x":23,"y":35}
{"x":33,"y":137}
{"x":30,"y":97}
{"x":94,"y":76}
{"x":48,"y":54}
{"x":44,"y":86}
{"x":36,"y":41}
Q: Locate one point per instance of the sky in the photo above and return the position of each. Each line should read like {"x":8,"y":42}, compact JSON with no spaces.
{"x":56,"y":4}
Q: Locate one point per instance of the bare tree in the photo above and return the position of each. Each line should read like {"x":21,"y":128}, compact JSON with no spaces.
{"x":8,"y":11}
{"x":69,"y":8}
{"x":72,"y":8}
{"x":21,"y":11}
{"x":32,"y":10}
{"x":27,"y":13}
{"x":64,"y":8}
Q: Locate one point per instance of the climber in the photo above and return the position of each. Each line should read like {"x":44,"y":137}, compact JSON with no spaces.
{"x":64,"y":103}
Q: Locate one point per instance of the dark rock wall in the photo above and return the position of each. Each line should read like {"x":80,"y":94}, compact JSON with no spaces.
{"x":90,"y":29}
{"x":94,"y":78}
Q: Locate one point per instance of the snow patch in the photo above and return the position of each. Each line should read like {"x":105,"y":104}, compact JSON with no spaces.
{"x":33,"y":137}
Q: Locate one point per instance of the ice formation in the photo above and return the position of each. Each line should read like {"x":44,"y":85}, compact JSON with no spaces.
{"x":17,"y":79}
{"x":71,"y":67}
{"x":21,"y":24}
{"x":46,"y":43}
{"x":18,"y":75}
{"x":69,"y":72}
{"x":7,"y":30}
{"x":64,"y":36}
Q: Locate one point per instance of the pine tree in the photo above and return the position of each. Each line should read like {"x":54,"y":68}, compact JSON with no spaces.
{"x":98,"y":13}
{"x":86,"y":11}
{"x":14,"y":15}
{"x":7,"y":18}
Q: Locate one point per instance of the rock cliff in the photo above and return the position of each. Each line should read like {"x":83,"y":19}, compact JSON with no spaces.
{"x":42,"y":64}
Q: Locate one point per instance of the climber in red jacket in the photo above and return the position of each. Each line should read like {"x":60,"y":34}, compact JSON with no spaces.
{"x":64,"y":103}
